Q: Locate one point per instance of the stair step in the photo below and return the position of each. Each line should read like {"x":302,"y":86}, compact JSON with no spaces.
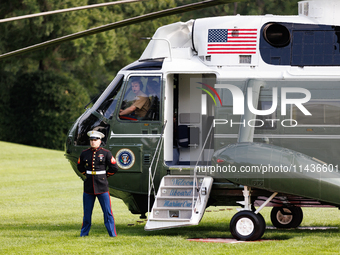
{"x":172,"y":214}
{"x":179,"y":180}
{"x":172,"y":208}
{"x":170,"y":203}
{"x":176,"y":191}
{"x":176,"y":187}
{"x":170,"y":219}
{"x":176,"y":197}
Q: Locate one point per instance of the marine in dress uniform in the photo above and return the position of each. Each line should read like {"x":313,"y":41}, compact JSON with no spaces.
{"x":97,"y":164}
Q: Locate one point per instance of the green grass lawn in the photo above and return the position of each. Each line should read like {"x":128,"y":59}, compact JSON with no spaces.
{"x":41,"y":213}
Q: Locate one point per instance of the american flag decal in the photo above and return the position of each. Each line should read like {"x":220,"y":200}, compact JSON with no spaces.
{"x":232,"y":41}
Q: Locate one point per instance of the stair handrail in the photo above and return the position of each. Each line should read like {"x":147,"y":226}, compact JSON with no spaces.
{"x":195,"y":183}
{"x":152,"y":176}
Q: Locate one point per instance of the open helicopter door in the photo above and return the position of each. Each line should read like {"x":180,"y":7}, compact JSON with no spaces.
{"x":189,"y":110}
{"x":182,"y":195}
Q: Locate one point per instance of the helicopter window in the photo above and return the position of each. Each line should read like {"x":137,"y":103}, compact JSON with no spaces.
{"x":90,"y":122}
{"x":108,"y":106}
{"x":324,"y":113}
{"x":141,"y":99}
{"x":265,"y":121}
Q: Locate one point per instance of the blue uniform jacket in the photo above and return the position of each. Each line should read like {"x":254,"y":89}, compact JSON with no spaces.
{"x":90,"y":162}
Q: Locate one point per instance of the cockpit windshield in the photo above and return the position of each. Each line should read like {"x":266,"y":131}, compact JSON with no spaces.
{"x":105,"y":106}
{"x":107,"y":102}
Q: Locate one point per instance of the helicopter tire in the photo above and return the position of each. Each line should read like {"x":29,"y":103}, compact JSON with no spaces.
{"x":263,"y":224}
{"x":286,"y":217}
{"x":247,"y":226}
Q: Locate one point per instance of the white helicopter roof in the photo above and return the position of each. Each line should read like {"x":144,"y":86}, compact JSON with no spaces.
{"x":321,"y":11}
{"x":200,"y":38}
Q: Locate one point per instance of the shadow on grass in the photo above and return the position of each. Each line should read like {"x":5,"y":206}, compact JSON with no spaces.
{"x":204,"y":230}
{"x":288,"y":233}
{"x":217,"y":230}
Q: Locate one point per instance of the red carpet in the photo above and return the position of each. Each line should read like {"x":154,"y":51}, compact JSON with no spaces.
{"x":222,"y":240}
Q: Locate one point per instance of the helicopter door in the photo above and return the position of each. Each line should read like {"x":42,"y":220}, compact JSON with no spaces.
{"x":136,"y":129}
{"x":189,"y":117}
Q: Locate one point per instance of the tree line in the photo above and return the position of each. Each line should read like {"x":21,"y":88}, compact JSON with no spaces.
{"x":43,"y":92}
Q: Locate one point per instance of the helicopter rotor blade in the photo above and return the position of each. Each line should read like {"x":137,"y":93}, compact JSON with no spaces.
{"x":68,"y":10}
{"x":118,"y":24}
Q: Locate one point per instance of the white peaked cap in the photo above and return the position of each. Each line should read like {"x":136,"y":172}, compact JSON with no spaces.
{"x":95,"y":134}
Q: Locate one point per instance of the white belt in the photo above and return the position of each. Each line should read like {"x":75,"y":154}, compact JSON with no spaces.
{"x":96,"y":172}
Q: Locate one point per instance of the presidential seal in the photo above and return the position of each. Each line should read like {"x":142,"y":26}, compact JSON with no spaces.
{"x":125,"y":158}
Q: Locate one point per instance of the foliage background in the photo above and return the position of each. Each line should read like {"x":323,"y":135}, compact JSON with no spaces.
{"x":39,"y":107}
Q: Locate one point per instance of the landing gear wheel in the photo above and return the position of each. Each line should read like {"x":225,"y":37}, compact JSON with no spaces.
{"x":247,"y":226}
{"x":263,"y":224}
{"x":286,"y":217}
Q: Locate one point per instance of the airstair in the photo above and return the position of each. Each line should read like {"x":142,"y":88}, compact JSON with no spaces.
{"x":180,"y":201}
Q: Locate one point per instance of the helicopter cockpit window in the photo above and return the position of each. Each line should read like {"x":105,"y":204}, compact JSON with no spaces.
{"x":90,"y":122}
{"x":108,"y":103}
{"x":141,"y":100}
{"x":105,"y":105}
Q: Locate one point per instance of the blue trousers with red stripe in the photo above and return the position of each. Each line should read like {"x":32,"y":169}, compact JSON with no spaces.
{"x":105,"y":203}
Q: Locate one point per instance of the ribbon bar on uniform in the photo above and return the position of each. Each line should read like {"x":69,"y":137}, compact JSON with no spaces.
{"x":96,"y":172}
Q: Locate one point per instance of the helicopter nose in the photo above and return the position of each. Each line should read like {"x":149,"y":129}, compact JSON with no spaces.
{"x":68,"y":145}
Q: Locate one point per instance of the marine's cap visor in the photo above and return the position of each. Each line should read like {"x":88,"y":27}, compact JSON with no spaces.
{"x":94,"y":137}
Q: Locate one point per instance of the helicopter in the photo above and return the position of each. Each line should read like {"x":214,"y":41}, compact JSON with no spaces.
{"x":241,"y":110}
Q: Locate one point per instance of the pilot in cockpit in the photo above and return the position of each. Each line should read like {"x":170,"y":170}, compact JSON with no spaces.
{"x":141,"y":102}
